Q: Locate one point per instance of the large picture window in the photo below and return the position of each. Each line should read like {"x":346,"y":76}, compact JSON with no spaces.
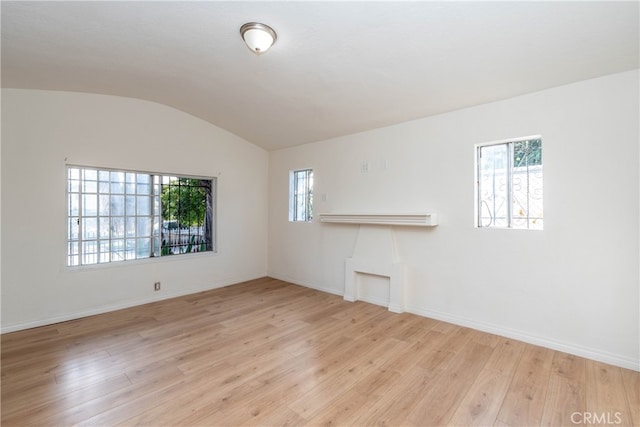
{"x":117,"y":215}
{"x":509,"y":184}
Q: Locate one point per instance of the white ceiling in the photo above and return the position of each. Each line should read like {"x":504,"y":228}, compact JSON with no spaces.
{"x":337,"y":67}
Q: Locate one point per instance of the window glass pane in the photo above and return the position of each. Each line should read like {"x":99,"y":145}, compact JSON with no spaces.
{"x":130,"y":252}
{"x":74,"y":204}
{"x":143,"y":183}
{"x":143,"y":188}
{"x":104,"y":187}
{"x":105,"y":227}
{"x":130,"y":179}
{"x":90,"y":174}
{"x":117,"y":205}
{"x":103,"y":176}
{"x":300,"y":208}
{"x":89,"y":205}
{"x":89,"y":258}
{"x":527,"y":185}
{"x":130,"y":204}
{"x":74,"y":186}
{"x":526,"y":153}
{"x":144,"y":205}
{"x":73,"y":248}
{"x":73,"y":229}
{"x":117,"y":182}
{"x":89,"y":247}
{"x":89,"y":252}
{"x":103,"y":205}
{"x":89,"y":228}
{"x":493,"y":186}
{"x":130,"y":222}
{"x":104,"y":250}
{"x":117,"y":227}
{"x":117,"y":250}
{"x":90,"y":186}
{"x":144,"y":226}
{"x":143,"y":248}
{"x":74,"y":173}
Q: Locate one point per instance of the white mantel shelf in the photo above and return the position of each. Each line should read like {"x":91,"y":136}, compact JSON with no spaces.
{"x":406,"y":219}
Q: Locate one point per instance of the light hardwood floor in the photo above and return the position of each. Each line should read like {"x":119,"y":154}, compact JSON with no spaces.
{"x":266,"y":352}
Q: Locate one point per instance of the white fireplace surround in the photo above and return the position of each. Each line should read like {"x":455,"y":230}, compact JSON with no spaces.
{"x":376,"y":251}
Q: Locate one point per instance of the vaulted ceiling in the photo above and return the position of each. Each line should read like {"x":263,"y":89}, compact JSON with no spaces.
{"x":336,"y":68}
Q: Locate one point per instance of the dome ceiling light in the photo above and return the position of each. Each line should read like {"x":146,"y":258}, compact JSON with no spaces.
{"x":258,"y":37}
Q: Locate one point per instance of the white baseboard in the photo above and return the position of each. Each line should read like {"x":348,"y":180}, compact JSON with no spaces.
{"x":119,"y":306}
{"x":589,"y":353}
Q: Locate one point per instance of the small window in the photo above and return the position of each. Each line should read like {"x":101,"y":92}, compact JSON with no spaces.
{"x":509,"y":184}
{"x":301,"y":195}
{"x":116,"y":215}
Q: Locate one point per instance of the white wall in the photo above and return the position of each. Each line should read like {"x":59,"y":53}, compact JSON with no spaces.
{"x":573,"y":286}
{"x":42,"y":131}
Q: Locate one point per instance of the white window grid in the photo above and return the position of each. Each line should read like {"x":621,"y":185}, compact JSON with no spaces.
{"x":115,"y":215}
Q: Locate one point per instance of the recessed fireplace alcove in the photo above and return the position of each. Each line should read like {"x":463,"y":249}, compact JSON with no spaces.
{"x":376,"y":252}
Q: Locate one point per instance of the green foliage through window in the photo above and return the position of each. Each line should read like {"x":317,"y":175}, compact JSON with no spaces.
{"x":527,"y":153}
{"x":187,"y":214}
{"x":184,"y":200}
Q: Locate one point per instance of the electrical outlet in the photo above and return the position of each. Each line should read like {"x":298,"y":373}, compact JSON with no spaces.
{"x":156,"y":286}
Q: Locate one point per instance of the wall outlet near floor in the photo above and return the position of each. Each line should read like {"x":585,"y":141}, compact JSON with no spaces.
{"x":156,"y":286}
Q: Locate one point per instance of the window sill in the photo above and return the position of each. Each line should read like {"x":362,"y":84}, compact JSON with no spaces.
{"x":141,"y":261}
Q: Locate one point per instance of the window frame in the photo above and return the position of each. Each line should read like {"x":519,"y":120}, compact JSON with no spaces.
{"x":509,"y":143}
{"x":155,"y":183}
{"x":294,"y":195}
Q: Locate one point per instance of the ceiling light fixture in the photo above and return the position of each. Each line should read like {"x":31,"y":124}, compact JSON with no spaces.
{"x":258,"y":37}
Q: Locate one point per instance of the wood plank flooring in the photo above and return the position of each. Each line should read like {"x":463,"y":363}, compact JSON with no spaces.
{"x":266,"y":352}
